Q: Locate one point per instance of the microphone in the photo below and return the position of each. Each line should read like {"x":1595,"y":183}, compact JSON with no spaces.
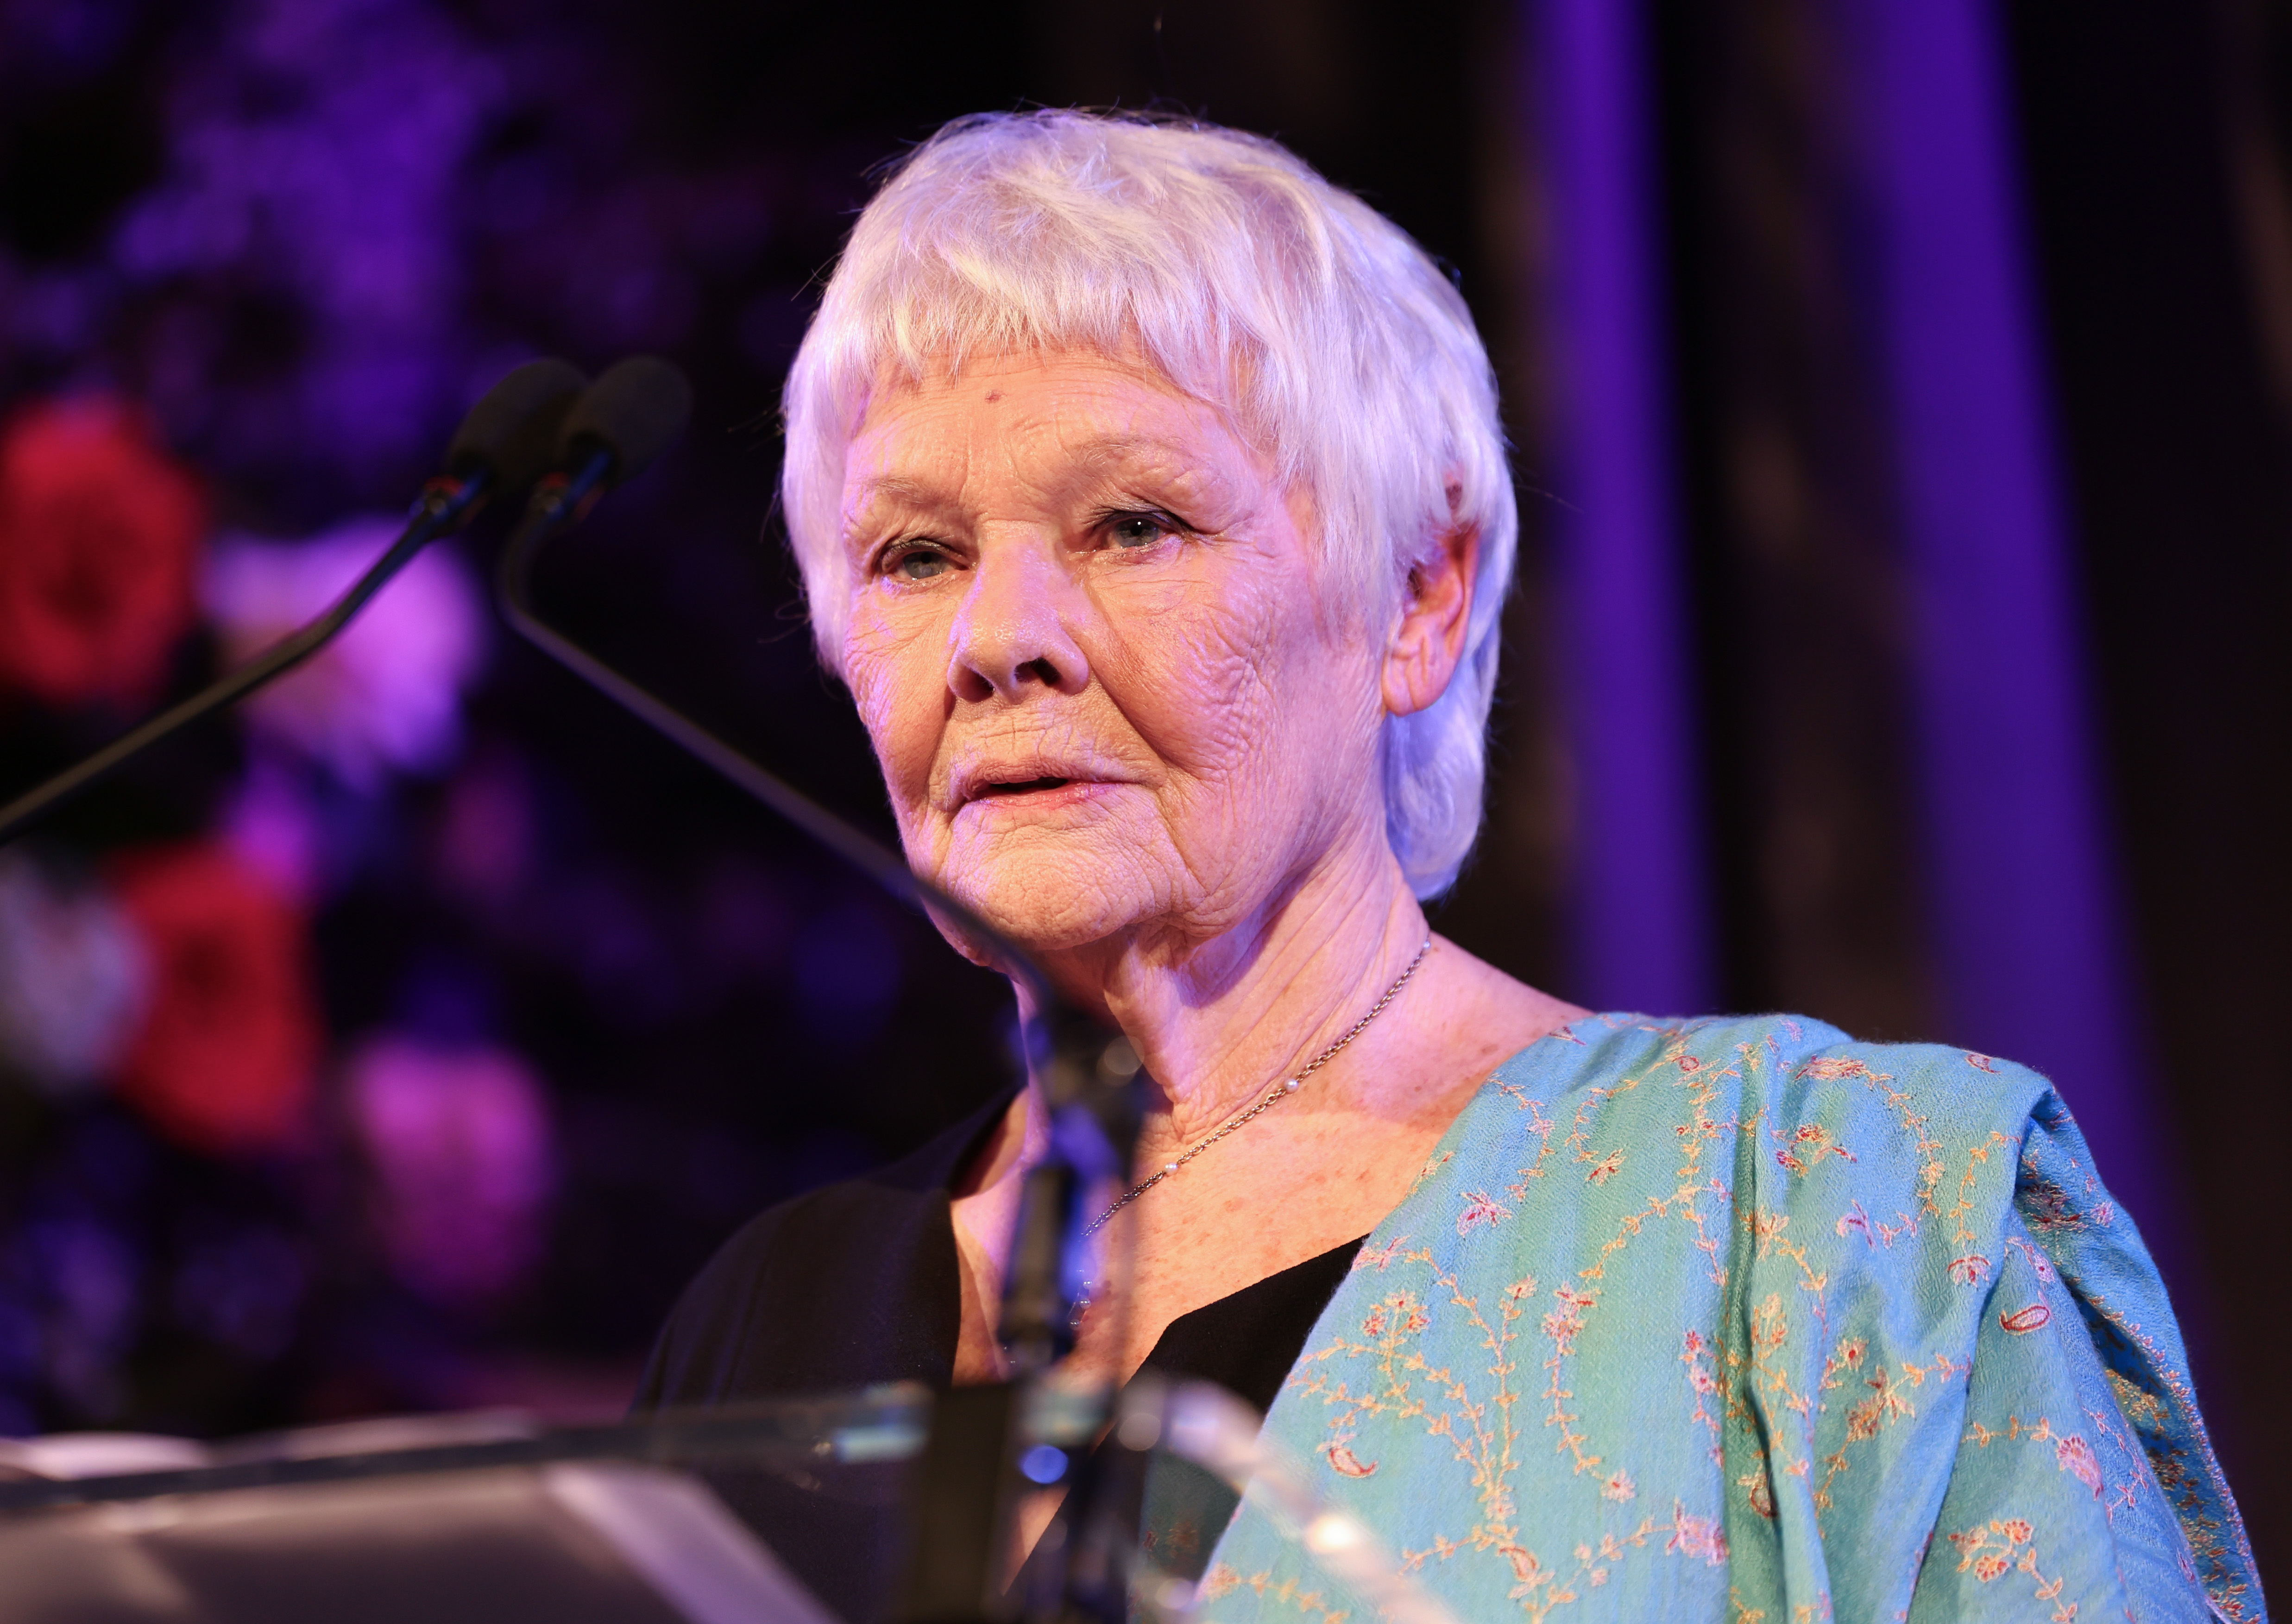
{"x":612,"y":431}
{"x":508,"y":440}
{"x":616,"y":429}
{"x":511,"y":435}
{"x":1090,"y":1081}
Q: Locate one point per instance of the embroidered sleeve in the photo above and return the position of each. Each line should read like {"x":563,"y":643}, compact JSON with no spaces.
{"x":2105,"y":1318}
{"x":2053,"y":1510}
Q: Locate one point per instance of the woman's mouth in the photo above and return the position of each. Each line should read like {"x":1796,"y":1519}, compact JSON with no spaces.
{"x":1023,"y":787}
{"x":1047,"y":794}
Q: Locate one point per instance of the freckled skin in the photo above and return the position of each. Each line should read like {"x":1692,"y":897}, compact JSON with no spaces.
{"x":1068,"y":576}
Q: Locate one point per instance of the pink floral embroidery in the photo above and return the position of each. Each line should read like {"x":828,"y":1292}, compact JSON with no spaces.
{"x":1400,"y":1314}
{"x":1379,"y":1258}
{"x":1531,"y":1572}
{"x":2027,"y":1321}
{"x":2044,"y":1270}
{"x":1698,"y":1372}
{"x":1563,"y":1322}
{"x":1480,"y":1207}
{"x":1694,"y":1535}
{"x":1970,"y":1270}
{"x":2076,"y":1457}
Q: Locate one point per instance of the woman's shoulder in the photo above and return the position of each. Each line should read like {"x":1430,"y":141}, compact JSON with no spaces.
{"x":1782,"y":1065}
{"x":1755,"y":1046}
{"x":1906,"y":1146}
{"x":1917,"y":1167}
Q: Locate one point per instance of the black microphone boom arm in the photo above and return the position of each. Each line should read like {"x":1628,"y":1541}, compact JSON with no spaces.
{"x":968,"y":1488}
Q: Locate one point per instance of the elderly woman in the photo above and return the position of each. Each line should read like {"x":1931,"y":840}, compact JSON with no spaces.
{"x":1151,"y":501}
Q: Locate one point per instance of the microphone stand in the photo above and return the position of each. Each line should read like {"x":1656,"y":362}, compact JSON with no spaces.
{"x":444,"y":502}
{"x":969,"y":1487}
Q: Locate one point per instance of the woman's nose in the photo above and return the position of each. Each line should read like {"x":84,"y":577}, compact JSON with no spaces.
{"x":1012,"y":634}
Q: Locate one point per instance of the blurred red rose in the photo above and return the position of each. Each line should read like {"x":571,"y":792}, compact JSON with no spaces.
{"x":99,"y":534}
{"x":224,"y":1059}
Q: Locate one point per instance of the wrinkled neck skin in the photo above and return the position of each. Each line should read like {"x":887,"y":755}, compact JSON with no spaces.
{"x":1217,"y":1021}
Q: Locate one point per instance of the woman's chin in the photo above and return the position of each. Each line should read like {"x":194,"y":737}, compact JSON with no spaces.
{"x":1052,"y":902}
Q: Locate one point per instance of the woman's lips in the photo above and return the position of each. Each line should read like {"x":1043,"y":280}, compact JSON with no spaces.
{"x":1028,"y":788}
{"x":1038,"y":794}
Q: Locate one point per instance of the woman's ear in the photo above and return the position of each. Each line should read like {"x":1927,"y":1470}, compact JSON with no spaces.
{"x":1436,"y":612}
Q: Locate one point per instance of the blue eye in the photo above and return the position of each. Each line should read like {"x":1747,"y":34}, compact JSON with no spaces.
{"x":920,"y":564}
{"x":1136,"y":531}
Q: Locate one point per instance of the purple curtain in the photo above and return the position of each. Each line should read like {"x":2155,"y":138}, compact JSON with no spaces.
{"x":2023,"y":915}
{"x":1640,"y":929}
{"x":2024,"y":907}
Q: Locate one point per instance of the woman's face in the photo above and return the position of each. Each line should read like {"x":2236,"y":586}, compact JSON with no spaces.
{"x":1088,"y":642}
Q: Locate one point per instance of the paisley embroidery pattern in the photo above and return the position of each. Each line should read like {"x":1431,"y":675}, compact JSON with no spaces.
{"x":1816,"y":1329}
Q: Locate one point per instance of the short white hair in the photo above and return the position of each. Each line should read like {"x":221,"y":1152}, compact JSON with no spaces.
{"x":1333,"y":342}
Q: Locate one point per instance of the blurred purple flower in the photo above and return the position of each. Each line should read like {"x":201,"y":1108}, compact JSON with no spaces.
{"x":483,"y":848}
{"x":315,"y":152}
{"x":464,"y":1163}
{"x":91,"y":1277}
{"x":56,"y":312}
{"x":387,"y":694}
{"x":74,"y":976}
{"x":272,"y":821}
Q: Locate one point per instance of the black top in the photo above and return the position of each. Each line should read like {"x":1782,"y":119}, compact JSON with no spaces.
{"x":858,"y":1283}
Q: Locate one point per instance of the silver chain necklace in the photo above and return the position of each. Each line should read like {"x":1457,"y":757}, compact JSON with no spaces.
{"x":1274,"y":1095}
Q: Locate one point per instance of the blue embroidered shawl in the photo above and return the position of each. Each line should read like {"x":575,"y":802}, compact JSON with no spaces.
{"x":1742,"y":1321}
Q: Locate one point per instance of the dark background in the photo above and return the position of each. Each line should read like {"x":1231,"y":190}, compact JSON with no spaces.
{"x":721,"y":1017}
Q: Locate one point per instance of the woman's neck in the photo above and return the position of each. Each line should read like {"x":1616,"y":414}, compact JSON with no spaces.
{"x":1217,"y":1022}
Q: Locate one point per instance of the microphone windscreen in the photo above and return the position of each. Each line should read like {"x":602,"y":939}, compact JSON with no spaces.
{"x":635,"y":410}
{"x":512,"y":433}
